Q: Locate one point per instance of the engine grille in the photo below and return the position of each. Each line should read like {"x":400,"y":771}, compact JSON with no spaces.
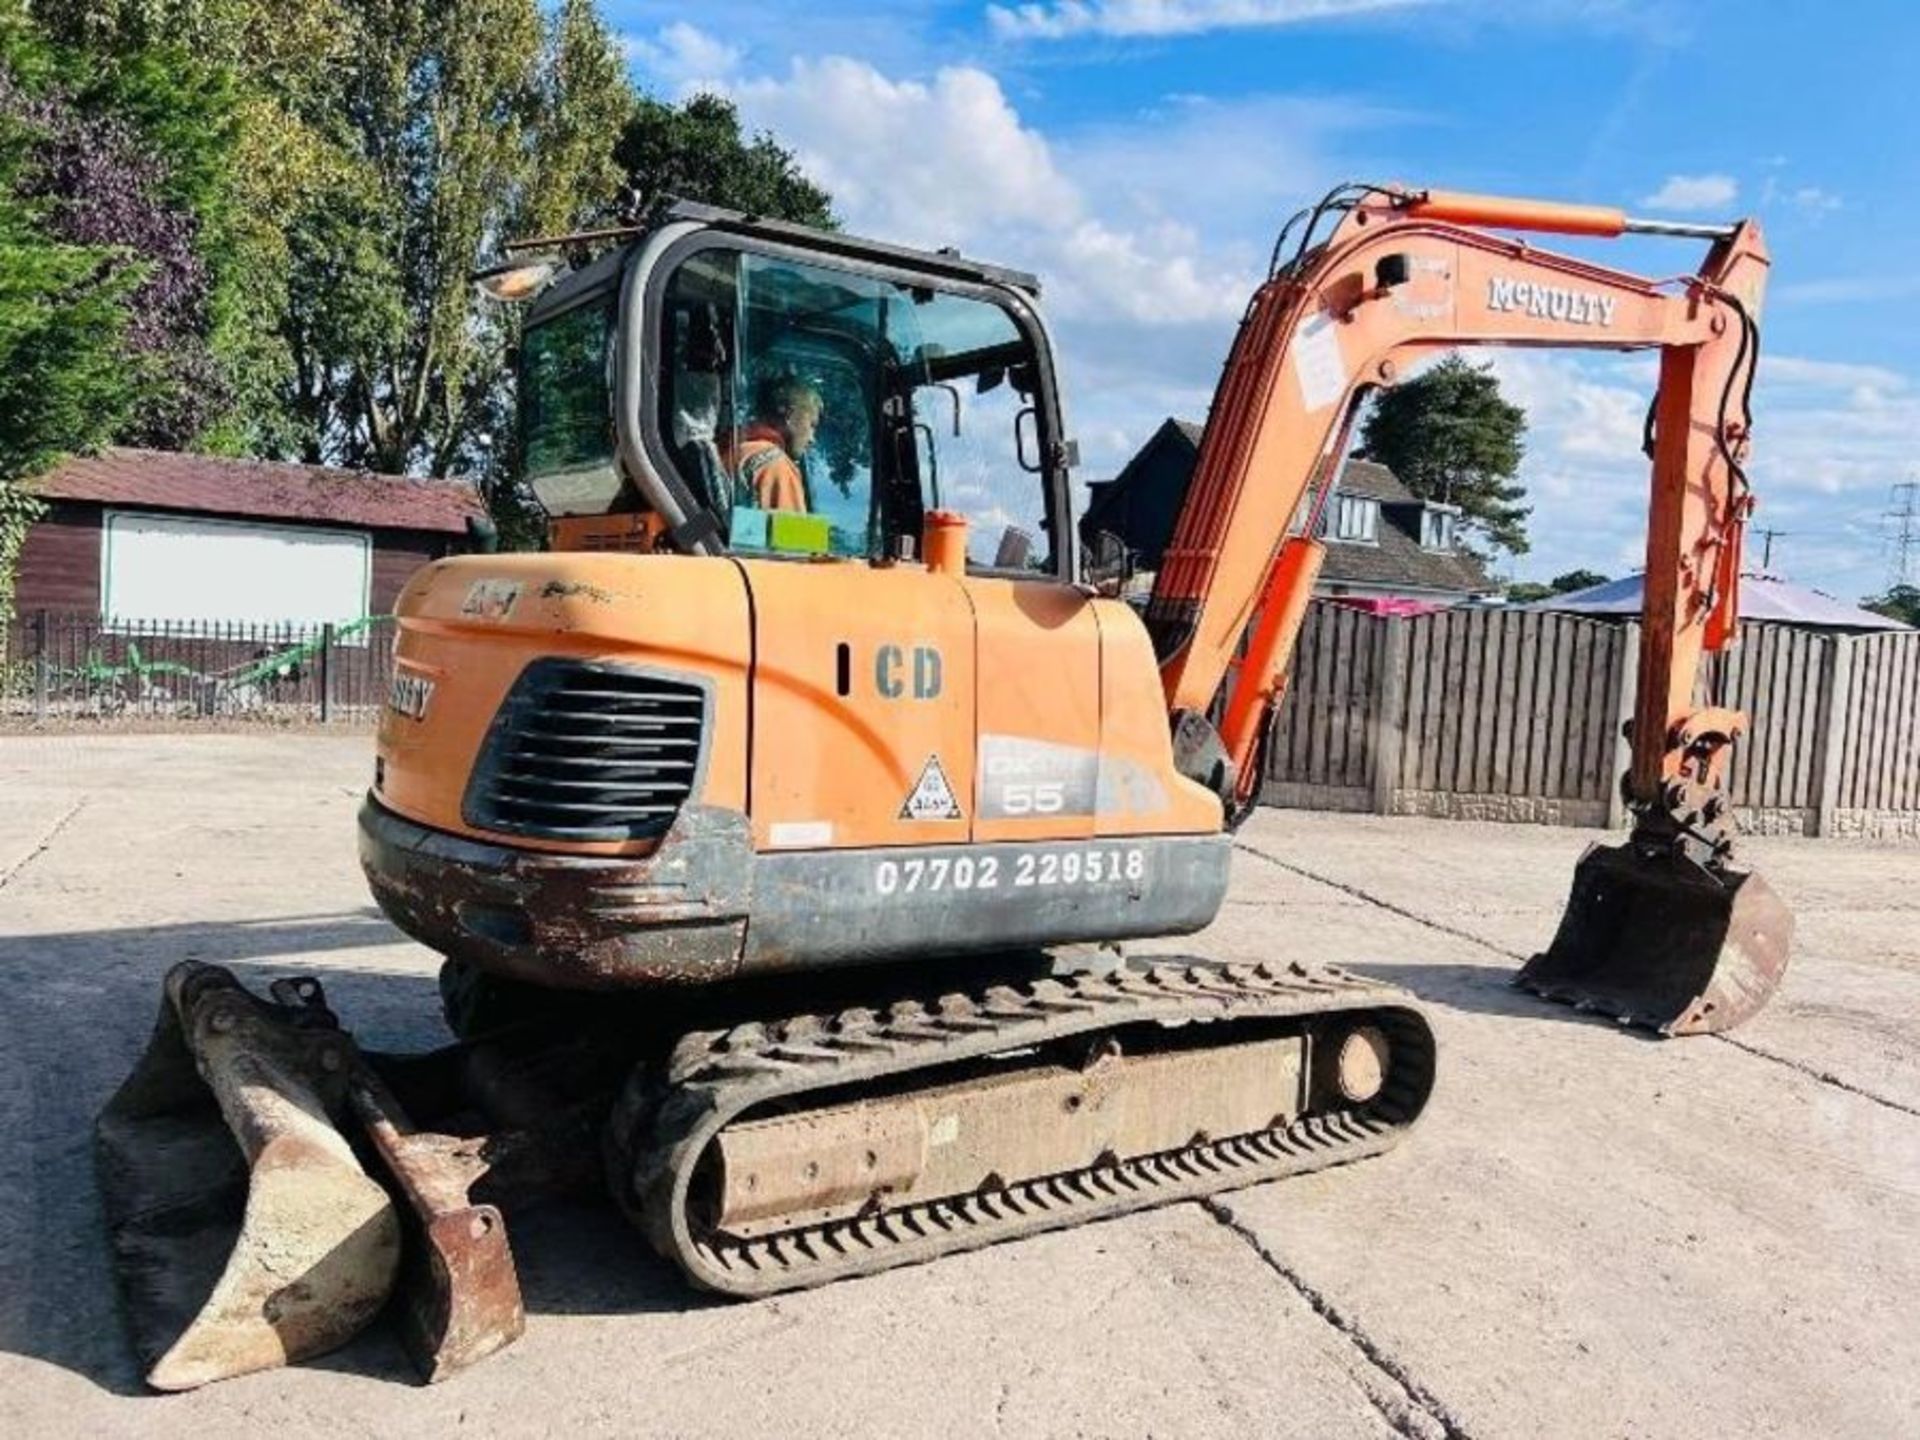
{"x":584,"y":751}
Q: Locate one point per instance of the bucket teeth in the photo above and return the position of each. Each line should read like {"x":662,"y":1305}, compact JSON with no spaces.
{"x":245,"y":1231}
{"x":1658,"y":941}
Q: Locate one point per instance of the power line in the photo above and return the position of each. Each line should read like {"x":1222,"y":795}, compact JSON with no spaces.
{"x":1768,"y":535}
{"x":1903,"y":532}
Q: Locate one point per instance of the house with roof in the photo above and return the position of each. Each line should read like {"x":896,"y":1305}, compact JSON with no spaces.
{"x":136,"y":537}
{"x":1383,"y":542}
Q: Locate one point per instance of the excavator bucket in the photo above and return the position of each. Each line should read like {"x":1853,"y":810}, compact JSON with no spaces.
{"x":460,"y":1292}
{"x":246,"y":1233}
{"x":1659,"y":941}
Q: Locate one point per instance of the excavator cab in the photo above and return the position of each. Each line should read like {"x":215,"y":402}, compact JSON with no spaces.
{"x":653,"y":382}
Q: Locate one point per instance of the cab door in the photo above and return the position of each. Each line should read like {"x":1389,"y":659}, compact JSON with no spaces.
{"x":863,"y":706}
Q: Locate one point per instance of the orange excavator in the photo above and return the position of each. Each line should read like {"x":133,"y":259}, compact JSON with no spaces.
{"x":777,"y":855}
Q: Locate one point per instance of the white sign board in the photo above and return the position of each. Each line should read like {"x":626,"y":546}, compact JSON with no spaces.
{"x":180,"y":568}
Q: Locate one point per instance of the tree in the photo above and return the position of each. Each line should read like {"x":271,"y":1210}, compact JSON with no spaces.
{"x":1452,"y":437}
{"x":109,"y":187}
{"x":696,"y":151}
{"x":461,"y":125}
{"x":78,"y":202}
{"x":365,"y":157}
{"x":242,"y":166}
{"x":135,"y":153}
{"x":1525,"y":592}
{"x":389,"y":146}
{"x":584,"y":103}
{"x":1901,"y":602}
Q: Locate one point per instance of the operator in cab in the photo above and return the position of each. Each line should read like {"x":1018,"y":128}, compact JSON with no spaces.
{"x":765,"y":457}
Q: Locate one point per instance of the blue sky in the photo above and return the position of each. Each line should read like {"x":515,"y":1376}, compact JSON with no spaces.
{"x":1139,"y":155}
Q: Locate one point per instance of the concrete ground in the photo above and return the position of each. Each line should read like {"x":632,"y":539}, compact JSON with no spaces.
{"x":1591,"y":1233}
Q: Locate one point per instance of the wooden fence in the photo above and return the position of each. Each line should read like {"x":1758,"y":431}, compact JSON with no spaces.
{"x":56,"y":667}
{"x":1474,"y":714}
{"x":1517,"y":715}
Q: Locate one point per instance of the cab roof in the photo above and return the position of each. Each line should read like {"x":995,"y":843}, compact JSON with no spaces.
{"x":948,"y":264}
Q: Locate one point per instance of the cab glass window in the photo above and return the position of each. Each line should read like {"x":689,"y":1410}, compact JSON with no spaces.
{"x":769,"y":399}
{"x":971,"y":378}
{"x":566,"y":415}
{"x":816,"y":410}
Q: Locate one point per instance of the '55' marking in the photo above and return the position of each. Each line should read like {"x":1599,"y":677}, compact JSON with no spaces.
{"x":1032,"y":797}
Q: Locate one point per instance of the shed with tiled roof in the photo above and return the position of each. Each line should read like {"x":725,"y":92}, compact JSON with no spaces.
{"x":145,"y":535}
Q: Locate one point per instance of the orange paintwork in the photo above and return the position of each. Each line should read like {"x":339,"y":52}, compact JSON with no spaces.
{"x":628,"y":531}
{"x":673,"y":612}
{"x":1039,"y":662}
{"x":1315,"y":338}
{"x":933,"y":664}
{"x":1134,"y":738}
{"x":1457,"y":207}
{"x":943,"y":542}
{"x":1263,"y":674}
{"x":821,"y":759}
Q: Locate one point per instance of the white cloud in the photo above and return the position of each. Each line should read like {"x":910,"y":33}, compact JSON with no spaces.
{"x":1574,"y":413}
{"x":1849,"y":289}
{"x":1195,"y":156}
{"x":1809,"y":200}
{"x":1829,"y":437}
{"x":1060,"y":19}
{"x":936,"y":163}
{"x":1694,"y":192}
{"x":950,"y":161}
{"x":1784,"y":370}
{"x":682,"y":57}
{"x":1814,"y":200}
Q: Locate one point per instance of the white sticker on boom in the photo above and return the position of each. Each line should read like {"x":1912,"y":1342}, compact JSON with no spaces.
{"x":931,"y":797}
{"x":1316,"y":360}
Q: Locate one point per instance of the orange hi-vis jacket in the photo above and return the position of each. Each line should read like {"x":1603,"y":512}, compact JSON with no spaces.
{"x":762,"y":464}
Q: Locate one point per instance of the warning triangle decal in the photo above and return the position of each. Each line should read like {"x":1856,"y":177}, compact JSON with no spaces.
{"x":931,"y":797}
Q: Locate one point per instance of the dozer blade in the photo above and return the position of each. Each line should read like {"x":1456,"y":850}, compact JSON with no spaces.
{"x":1659,"y":941}
{"x":245,"y":1232}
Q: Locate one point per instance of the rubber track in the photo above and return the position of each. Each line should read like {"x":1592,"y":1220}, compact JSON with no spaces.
{"x":661,"y":1127}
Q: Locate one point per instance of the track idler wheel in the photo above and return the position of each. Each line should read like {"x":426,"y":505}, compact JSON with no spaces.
{"x":1658,"y":940}
{"x":245,"y":1232}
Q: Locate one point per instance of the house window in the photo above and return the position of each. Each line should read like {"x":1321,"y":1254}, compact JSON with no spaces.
{"x":1355,"y":518}
{"x":1436,"y":528}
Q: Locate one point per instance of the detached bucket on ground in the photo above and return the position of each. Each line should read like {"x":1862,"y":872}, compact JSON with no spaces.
{"x":245,"y":1232}
{"x":1659,"y":941}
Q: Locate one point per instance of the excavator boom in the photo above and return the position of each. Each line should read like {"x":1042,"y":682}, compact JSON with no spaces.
{"x":1405,"y":274}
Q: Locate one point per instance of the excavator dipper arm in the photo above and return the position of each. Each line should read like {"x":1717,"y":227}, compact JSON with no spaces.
{"x":1406,"y":274}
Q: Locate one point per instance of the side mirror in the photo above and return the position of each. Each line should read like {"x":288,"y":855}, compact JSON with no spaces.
{"x":1109,"y":564}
